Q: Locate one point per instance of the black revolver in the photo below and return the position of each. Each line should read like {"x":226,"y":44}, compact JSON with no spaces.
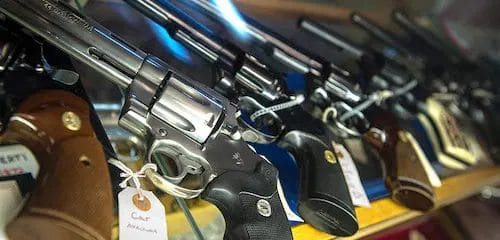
{"x":324,"y":200}
{"x":188,"y":123}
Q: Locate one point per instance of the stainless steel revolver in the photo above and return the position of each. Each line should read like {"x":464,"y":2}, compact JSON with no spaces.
{"x":185,"y":122}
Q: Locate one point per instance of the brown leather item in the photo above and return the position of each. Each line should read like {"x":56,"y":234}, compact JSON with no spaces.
{"x":72,"y":198}
{"x":406,"y":176}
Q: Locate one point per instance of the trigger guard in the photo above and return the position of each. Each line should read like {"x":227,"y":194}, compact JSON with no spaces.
{"x":166,"y":186}
{"x":169,"y":184}
{"x":185,"y":171}
{"x":177,"y":179}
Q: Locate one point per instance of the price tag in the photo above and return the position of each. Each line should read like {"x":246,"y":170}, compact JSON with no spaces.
{"x":141,"y":219}
{"x":17,"y":159}
{"x":12,"y":202}
{"x":356,"y":190}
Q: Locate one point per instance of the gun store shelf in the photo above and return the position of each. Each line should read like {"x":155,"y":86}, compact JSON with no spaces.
{"x":385,"y":213}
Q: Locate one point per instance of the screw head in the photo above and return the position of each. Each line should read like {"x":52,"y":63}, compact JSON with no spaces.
{"x":162,"y":132}
{"x":264,"y":208}
{"x":330,"y":157}
{"x":71,"y":121}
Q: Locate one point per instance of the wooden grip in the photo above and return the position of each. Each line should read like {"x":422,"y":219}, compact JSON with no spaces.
{"x":406,"y":176}
{"x":72,"y":197}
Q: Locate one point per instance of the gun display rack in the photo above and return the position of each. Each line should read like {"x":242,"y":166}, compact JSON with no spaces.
{"x":384,"y":213}
{"x":210,"y":135}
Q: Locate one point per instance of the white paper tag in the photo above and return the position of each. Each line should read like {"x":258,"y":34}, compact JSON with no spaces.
{"x":141,"y":219}
{"x":288,"y":211}
{"x":17,"y":159}
{"x":12,"y":201}
{"x":356,"y":190}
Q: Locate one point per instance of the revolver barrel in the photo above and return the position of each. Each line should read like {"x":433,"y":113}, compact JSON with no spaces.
{"x":79,"y":37}
{"x":236,"y":64}
{"x":378,"y":32}
{"x":331,"y":37}
{"x":291,"y":56}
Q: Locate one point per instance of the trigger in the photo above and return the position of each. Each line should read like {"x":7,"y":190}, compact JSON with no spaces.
{"x":193,"y":167}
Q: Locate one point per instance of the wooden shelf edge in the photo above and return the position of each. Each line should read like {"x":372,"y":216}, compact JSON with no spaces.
{"x":385,"y":213}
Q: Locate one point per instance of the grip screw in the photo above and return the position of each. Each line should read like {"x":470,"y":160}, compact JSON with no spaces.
{"x":71,"y":121}
{"x":330,"y":157}
{"x":163,"y":132}
{"x":264,"y":208}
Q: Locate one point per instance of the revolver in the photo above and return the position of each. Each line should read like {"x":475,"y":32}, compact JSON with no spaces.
{"x":282,"y":56}
{"x":241,"y":77}
{"x":415,"y":105}
{"x":399,"y":53}
{"x":326,"y":80}
{"x":392,"y":134}
{"x":453,"y":148}
{"x":445,"y":53}
{"x":186,"y":123}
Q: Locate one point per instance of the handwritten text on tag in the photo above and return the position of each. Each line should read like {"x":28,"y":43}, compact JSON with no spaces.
{"x":356,"y":190}
{"x":141,"y":219}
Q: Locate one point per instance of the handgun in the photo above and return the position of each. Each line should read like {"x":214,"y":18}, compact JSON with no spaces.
{"x":279,"y":53}
{"x":375,"y":69}
{"x":373,"y":66}
{"x":293,"y":58}
{"x":72,"y":198}
{"x":445,"y":52}
{"x":241,"y":77}
{"x":433,"y":109}
{"x":276,"y":45}
{"x":406,"y":175}
{"x":449,"y":144}
{"x":284,"y":56}
{"x":183,"y":121}
{"x":400,"y":52}
{"x":406,"y":169}
{"x":471,"y":83}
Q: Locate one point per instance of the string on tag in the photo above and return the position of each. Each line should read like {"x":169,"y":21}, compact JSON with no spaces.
{"x":295,"y":101}
{"x":378,"y":98}
{"x":128,"y":174}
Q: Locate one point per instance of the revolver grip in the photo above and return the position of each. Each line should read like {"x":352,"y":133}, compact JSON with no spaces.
{"x":324,"y":199}
{"x":72,"y":198}
{"x":406,"y":173}
{"x":250,"y":204}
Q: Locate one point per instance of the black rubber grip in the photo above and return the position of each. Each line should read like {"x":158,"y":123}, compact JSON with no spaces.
{"x":324,"y":199}
{"x":250,"y":204}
